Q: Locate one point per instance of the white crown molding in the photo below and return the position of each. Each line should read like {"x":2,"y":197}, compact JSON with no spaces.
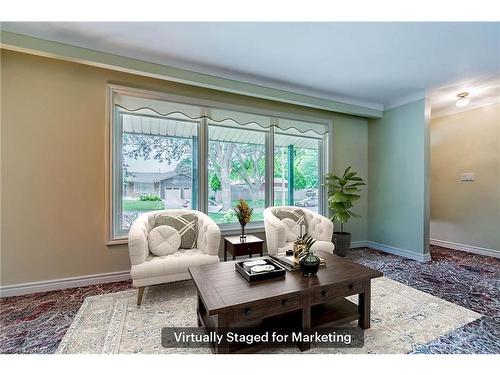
{"x":405,"y":100}
{"x":57,"y":284}
{"x":66,"y":52}
{"x":467,"y":248}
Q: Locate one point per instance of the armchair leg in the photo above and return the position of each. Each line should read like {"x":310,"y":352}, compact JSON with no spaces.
{"x":140,"y":293}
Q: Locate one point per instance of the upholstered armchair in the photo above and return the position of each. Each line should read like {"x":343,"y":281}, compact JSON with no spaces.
{"x":149,"y":269}
{"x":318,"y":227}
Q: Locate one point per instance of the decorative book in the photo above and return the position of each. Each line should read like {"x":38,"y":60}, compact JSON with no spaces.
{"x":290,"y":264}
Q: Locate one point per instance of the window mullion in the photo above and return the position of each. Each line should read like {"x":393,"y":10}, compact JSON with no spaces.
{"x":269,"y":198}
{"x":117,"y":172}
{"x":321,"y":177}
{"x":291,"y":179}
{"x":203,"y":165}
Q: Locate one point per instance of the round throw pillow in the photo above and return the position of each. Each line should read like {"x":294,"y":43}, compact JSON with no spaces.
{"x":164,"y":240}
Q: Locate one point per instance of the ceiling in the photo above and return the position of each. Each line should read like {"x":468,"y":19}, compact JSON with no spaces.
{"x":377,"y":65}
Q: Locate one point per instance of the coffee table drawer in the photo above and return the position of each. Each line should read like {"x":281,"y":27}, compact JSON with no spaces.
{"x":259,"y":311}
{"x":284,"y":305}
{"x":343,"y":290}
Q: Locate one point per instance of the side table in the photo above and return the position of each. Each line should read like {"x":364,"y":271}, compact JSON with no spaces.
{"x":252,"y":245}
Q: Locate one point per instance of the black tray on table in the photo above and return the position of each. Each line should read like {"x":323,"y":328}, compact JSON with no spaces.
{"x":278,"y":271}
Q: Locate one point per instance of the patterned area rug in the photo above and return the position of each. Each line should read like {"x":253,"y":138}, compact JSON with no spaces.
{"x":402,"y":319}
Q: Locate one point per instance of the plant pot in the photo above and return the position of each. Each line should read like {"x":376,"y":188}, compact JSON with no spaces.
{"x":342,"y":242}
{"x":309,"y":265}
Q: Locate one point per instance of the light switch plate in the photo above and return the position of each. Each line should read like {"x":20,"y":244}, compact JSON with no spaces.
{"x":467,"y":177}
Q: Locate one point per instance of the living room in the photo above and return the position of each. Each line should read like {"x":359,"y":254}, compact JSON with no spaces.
{"x":168,"y":188}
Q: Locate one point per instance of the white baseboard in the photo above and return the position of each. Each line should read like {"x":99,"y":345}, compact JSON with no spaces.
{"x":398,"y":251}
{"x":392,"y":250}
{"x":73,"y":282}
{"x":70,"y":282}
{"x":357,"y":244}
{"x":467,"y":248}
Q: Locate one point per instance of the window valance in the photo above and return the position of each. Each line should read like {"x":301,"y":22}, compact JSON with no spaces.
{"x":173,"y":111}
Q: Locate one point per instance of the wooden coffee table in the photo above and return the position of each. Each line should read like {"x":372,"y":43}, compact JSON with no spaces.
{"x":227,"y":300}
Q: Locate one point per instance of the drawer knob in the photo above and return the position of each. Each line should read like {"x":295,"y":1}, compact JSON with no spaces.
{"x":351,"y":286}
{"x":248,"y":311}
{"x":285,"y":302}
{"x":323,"y":292}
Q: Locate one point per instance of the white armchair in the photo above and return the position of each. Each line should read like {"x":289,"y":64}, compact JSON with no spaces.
{"x":318,"y":227}
{"x":148,"y":269}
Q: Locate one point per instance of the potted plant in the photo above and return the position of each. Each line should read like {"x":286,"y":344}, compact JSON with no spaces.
{"x":244,"y":215}
{"x":309,"y":263}
{"x":342,"y":192}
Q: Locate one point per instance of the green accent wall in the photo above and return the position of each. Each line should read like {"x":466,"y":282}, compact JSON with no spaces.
{"x":398,"y":152}
{"x":350,"y":147}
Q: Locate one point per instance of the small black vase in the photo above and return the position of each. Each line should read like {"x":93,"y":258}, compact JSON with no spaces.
{"x":309,"y":264}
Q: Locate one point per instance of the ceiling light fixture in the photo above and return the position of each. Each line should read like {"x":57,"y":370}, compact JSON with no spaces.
{"x":463,"y":99}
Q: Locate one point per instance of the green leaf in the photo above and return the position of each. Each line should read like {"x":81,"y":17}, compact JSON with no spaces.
{"x":336,"y":206}
{"x":355,"y":179}
{"x":356,"y":184}
{"x":339,"y":197}
{"x":342,"y":217}
{"x":353,"y":214}
{"x":347,"y":170}
{"x":332,"y":177}
{"x":350,"y":175}
{"x":353,"y":197}
{"x":352,"y":190}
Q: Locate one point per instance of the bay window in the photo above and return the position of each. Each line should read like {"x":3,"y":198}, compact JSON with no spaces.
{"x":170,"y":152}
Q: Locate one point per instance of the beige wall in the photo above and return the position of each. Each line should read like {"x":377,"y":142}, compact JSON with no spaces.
{"x":52,"y":164}
{"x":466,"y":212}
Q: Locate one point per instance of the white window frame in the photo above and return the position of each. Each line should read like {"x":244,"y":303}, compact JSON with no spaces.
{"x":114,"y":183}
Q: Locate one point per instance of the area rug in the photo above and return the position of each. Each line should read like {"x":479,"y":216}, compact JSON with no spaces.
{"x":402,"y":319}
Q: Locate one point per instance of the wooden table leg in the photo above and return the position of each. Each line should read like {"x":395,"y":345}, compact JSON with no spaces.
{"x":222,"y":326}
{"x":199,"y":310}
{"x":225,"y":251}
{"x":364,"y":306}
{"x":306,"y":319}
